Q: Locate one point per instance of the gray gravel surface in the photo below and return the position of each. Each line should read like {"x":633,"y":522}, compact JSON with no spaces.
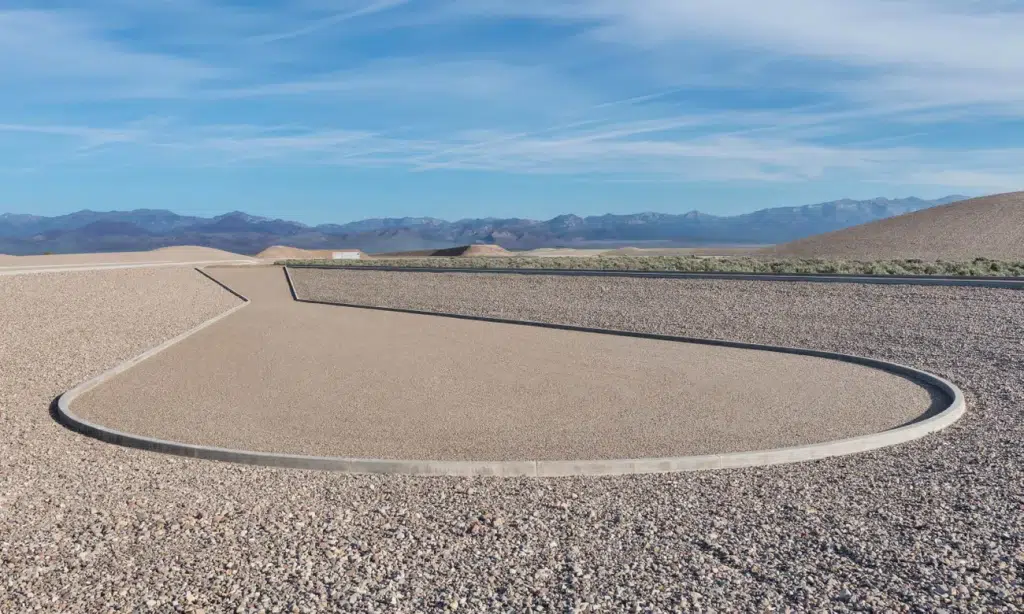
{"x":935,"y":525}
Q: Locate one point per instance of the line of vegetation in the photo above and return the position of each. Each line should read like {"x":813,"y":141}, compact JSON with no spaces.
{"x":979,"y":267}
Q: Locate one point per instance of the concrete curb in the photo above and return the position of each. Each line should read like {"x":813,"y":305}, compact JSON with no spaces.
{"x":291,"y":286}
{"x":902,"y":434}
{"x":1014,"y":283}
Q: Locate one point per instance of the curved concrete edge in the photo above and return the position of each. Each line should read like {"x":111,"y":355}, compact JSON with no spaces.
{"x":1009,"y":283}
{"x":734,"y":460}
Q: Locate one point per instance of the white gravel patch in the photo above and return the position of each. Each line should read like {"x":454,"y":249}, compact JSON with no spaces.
{"x":928,"y":526}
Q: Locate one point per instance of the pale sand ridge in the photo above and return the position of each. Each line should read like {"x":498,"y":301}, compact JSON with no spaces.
{"x":285,"y":252}
{"x":988,"y":227}
{"x":177,"y":253}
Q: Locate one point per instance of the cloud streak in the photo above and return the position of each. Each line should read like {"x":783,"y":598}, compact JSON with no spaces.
{"x":78,"y":57}
{"x":621,"y":152}
{"x":649,"y":90}
{"x":334,"y":19}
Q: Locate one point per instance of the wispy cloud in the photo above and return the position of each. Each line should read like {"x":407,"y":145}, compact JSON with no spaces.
{"x":56,"y":54}
{"x":647,"y":90}
{"x":618,"y":152}
{"x":986,"y":181}
{"x":410,"y":80}
{"x":89,"y":136}
{"x":945,"y":52}
{"x":333,"y":19}
{"x":933,"y":35}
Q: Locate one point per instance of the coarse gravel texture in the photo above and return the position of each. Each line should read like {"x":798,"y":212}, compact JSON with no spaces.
{"x":759,"y":265}
{"x":934,"y":525}
{"x":299,"y":378}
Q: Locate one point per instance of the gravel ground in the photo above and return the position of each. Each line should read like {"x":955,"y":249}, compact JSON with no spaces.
{"x":935,"y":525}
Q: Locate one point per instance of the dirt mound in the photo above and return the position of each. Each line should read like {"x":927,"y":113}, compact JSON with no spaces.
{"x":473,"y":250}
{"x":177,"y":253}
{"x":197,"y":253}
{"x":284,"y":252}
{"x":987,"y":227}
{"x":461,"y":250}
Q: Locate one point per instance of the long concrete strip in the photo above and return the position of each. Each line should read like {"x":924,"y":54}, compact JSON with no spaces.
{"x":950,"y":404}
{"x":1016,"y":283}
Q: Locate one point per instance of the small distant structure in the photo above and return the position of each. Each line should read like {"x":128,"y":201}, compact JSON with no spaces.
{"x":347,"y":254}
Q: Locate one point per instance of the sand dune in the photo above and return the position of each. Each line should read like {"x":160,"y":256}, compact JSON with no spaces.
{"x":177,"y":253}
{"x":459,"y":251}
{"x":988,"y":227}
{"x":195,"y":252}
{"x":285,"y":252}
{"x":474,"y":250}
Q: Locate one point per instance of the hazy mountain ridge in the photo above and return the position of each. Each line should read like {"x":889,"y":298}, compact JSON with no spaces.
{"x":240,"y":232}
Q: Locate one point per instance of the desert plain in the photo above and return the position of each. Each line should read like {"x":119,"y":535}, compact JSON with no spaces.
{"x":930,"y":525}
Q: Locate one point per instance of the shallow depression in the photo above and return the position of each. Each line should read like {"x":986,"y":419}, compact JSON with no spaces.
{"x":280,"y":376}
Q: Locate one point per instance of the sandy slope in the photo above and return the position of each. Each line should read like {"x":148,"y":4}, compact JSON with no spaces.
{"x":990,"y":227}
{"x":461,"y":250}
{"x":285,"y":252}
{"x":179,"y":253}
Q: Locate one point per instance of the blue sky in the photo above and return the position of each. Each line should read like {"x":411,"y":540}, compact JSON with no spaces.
{"x":322,"y":110}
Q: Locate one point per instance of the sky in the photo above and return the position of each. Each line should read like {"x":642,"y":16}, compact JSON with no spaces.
{"x":331,"y":111}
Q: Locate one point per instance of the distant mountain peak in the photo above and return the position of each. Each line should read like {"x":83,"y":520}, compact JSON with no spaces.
{"x":568,"y":220}
{"x":240,"y":215}
{"x":241,"y":232}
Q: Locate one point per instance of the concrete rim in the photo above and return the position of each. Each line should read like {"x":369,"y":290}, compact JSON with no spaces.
{"x":908,"y":432}
{"x":1012,"y":283}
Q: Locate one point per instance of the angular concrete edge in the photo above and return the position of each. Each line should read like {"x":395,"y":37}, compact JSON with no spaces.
{"x":863,"y":443}
{"x":1011,"y":283}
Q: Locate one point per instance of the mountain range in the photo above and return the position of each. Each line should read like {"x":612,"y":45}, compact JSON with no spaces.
{"x":143,"y":229}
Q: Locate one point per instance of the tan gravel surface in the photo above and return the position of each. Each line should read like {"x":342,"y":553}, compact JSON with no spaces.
{"x":335,"y":381}
{"x":933,"y":525}
{"x":989,"y":227}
